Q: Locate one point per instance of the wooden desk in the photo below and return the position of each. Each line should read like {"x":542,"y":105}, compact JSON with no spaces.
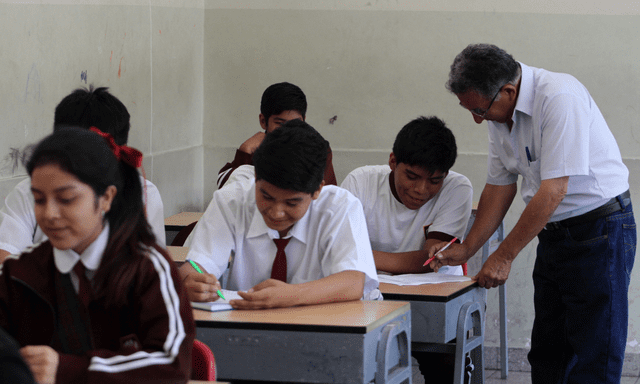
{"x":178,"y":254}
{"x":181,"y":220}
{"x":441,"y":317}
{"x":351,"y":342}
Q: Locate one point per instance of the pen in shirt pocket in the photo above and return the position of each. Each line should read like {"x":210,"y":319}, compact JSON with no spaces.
{"x":528,"y":156}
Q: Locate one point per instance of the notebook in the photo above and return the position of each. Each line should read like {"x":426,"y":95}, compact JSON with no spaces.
{"x":218,"y":305}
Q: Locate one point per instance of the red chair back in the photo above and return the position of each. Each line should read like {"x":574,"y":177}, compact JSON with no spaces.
{"x":203,"y":364}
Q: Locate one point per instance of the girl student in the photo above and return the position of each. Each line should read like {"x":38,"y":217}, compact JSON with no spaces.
{"x":99,"y":301}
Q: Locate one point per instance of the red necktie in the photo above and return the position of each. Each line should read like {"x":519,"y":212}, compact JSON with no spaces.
{"x":279,"y":269}
{"x":84,"y":288}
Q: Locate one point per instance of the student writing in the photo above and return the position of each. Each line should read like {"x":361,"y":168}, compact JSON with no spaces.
{"x":327,"y":252}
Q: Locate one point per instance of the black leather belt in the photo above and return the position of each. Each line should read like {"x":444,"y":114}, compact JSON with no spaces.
{"x":609,"y":207}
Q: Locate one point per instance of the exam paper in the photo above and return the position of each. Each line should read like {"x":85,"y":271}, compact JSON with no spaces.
{"x":421,"y":278}
{"x":218,"y":305}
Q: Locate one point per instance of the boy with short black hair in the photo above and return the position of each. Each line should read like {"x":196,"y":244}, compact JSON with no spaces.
{"x":415,"y":201}
{"x":280,"y":103}
{"x":85,"y":108}
{"x":295,"y":240}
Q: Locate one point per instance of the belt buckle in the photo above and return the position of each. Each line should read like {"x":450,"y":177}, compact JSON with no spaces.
{"x":552,"y":226}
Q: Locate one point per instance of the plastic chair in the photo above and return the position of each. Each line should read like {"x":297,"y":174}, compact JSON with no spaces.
{"x":181,"y":237}
{"x":203,"y":364}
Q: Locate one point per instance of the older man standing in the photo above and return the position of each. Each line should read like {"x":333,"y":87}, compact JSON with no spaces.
{"x":547,"y":128}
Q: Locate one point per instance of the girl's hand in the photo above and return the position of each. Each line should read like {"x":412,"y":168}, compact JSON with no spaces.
{"x":43,"y":362}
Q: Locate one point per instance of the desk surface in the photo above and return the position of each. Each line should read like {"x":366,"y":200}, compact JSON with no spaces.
{"x":182,"y":219}
{"x":352,"y":316}
{"x":427,"y":292}
{"x":178,"y":254}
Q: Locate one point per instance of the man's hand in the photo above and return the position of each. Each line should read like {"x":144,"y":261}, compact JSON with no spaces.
{"x":268,"y":294}
{"x":43,"y":362}
{"x":495,"y":270}
{"x":252,"y":143}
{"x":202,"y":286}
{"x":456,"y":254}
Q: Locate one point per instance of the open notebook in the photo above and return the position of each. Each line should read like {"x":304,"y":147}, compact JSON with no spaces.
{"x":218,"y":305}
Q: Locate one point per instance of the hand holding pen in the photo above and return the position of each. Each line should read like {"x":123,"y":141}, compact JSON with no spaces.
{"x":199,"y":285}
{"x":440,"y":251}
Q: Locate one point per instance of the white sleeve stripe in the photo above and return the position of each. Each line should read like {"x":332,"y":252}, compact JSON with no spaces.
{"x":175,"y":335}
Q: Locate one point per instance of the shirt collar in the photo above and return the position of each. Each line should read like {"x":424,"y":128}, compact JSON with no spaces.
{"x":526,"y":92}
{"x":91,"y":257}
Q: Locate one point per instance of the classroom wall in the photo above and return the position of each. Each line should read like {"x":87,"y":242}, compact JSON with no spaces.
{"x":148,"y":53}
{"x":375,"y":65}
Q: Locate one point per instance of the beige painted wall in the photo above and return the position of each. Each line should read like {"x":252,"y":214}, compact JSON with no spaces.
{"x":149,"y":55}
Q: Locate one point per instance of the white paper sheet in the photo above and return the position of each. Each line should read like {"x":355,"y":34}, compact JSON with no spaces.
{"x":421,"y":278}
{"x":218,"y":305}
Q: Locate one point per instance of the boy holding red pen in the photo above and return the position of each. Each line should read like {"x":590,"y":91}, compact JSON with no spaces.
{"x":412,"y":203}
{"x":415,"y":201}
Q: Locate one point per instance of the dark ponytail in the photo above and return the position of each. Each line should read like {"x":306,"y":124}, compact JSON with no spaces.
{"x":87,"y":156}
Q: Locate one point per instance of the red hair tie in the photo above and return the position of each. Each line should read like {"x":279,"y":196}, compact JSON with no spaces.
{"x":129,"y":155}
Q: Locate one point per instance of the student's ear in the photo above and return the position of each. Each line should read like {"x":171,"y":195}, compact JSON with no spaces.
{"x":392,"y":161}
{"x":104,"y":202}
{"x":263,"y":122}
{"x":316,"y":194}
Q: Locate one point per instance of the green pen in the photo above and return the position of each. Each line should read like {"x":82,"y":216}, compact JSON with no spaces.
{"x":195,"y":266}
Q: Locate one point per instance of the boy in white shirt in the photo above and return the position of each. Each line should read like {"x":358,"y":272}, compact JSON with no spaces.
{"x":327,"y":252}
{"x":413,"y":203}
{"x":82,"y":108}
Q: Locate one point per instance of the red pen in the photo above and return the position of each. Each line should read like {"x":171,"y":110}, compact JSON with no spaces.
{"x":442,"y":249}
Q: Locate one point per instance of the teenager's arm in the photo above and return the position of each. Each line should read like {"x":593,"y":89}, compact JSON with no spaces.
{"x":341,"y":286}
{"x":244,"y":155}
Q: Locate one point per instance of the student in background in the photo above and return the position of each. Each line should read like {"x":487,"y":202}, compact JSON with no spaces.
{"x":415,"y":201}
{"x":326,"y":255}
{"x":100,"y":301}
{"x":82,"y":108}
{"x":13,"y":369}
{"x":280,"y":103}
{"x":412,"y":204}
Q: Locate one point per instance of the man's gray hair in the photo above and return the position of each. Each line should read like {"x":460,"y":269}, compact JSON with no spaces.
{"x":483,"y":68}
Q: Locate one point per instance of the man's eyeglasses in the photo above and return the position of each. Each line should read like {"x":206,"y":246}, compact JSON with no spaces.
{"x":481,"y":113}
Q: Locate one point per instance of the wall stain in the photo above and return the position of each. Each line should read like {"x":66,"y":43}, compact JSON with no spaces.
{"x":83,"y":76}
{"x":32,"y":89}
{"x":120,"y":67}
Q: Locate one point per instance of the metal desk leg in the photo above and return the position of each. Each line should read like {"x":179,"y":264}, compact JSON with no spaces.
{"x":470,"y":319}
{"x":504,"y":341}
{"x":400,"y":373}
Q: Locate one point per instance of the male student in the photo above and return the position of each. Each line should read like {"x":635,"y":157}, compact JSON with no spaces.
{"x":84,"y":108}
{"x":546,"y":127}
{"x":413,"y":203}
{"x":295,"y":240}
{"x":280,"y":103}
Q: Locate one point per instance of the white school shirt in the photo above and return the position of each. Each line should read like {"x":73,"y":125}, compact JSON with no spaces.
{"x":18,"y":227}
{"x":395,"y":228}
{"x":331,"y":237}
{"x":558,"y":121}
